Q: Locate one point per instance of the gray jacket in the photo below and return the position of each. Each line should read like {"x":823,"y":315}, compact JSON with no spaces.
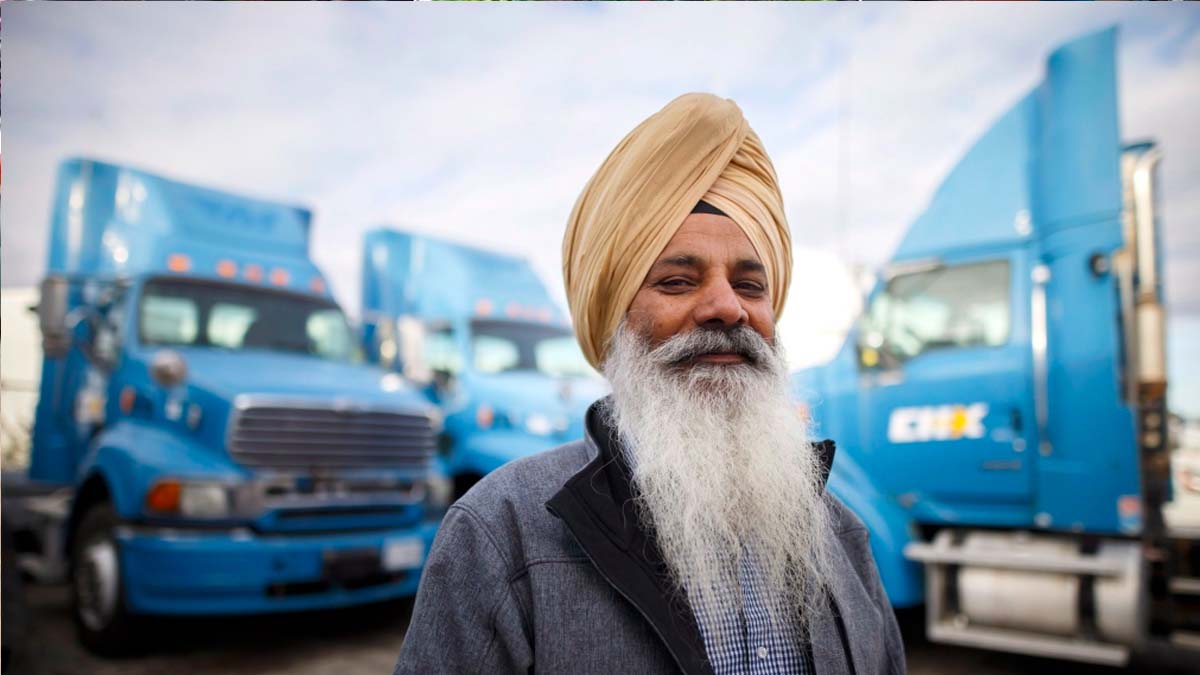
{"x":541,"y":567}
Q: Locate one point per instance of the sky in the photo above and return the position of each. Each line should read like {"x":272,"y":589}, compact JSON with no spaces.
{"x":481,"y":123}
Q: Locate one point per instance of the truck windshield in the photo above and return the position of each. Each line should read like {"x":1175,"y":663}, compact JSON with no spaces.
{"x":957,"y":306}
{"x":224,"y":316}
{"x":505,"y":346}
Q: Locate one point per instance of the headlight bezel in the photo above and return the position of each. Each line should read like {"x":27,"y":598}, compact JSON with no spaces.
{"x":208,"y":501}
{"x":190,"y":499}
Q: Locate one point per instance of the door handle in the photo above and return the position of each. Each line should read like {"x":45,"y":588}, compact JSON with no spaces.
{"x":1018,"y":440}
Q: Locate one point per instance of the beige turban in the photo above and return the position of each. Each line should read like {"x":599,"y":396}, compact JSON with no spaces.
{"x":698,"y":147}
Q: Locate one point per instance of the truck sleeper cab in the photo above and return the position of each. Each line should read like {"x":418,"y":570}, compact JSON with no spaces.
{"x":203,"y":402}
{"x":1006,"y":386}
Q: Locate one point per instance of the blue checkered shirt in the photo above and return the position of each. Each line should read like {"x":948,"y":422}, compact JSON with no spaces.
{"x":764,"y":648}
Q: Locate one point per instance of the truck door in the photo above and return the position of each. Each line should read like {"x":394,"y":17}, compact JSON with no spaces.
{"x":946,"y":390}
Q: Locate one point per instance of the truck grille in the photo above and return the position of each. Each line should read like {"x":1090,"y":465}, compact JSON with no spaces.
{"x":283,"y":436}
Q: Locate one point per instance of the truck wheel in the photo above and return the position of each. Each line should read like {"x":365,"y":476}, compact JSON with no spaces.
{"x":101,"y":619}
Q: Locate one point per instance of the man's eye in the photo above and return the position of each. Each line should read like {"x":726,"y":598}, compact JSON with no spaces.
{"x":751,"y":287}
{"x":674,"y":283}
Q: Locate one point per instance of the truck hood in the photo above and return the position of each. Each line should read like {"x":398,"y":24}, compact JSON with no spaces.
{"x":227,"y":374}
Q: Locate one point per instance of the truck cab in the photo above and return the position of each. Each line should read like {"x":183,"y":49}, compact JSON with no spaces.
{"x":496,"y":355}
{"x":205,"y":412}
{"x":1005,"y":385}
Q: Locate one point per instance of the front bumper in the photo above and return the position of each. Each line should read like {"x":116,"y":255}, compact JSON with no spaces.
{"x":243,"y":572}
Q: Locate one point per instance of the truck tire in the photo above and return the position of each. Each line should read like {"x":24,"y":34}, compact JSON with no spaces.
{"x":103,"y":623}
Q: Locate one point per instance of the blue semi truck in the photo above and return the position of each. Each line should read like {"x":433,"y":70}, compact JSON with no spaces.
{"x":206,"y":440}
{"x":481,"y":333}
{"x":1005,"y":390}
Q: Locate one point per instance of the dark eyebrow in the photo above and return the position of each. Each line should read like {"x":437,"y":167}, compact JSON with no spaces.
{"x":748,"y":265}
{"x":685,"y":260}
{"x":680,"y":261}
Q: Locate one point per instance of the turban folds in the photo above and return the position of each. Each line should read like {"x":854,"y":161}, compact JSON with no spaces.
{"x":698,"y":147}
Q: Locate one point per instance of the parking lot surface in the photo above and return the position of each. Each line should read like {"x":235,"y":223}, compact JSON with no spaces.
{"x":366,"y":640}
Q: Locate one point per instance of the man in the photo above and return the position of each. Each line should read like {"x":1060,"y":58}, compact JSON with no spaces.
{"x":690,"y":529}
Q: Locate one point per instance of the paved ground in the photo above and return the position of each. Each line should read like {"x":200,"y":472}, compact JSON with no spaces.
{"x":366,"y":640}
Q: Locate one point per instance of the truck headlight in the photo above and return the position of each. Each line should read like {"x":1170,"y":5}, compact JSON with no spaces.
{"x":189,"y":499}
{"x":204,"y":500}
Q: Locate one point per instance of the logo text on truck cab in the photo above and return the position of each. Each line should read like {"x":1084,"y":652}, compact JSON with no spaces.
{"x":937,"y":423}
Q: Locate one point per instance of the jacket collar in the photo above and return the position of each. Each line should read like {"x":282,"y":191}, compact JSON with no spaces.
{"x":596,"y":504}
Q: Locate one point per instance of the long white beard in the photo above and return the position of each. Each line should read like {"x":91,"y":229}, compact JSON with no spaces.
{"x":722,"y":464}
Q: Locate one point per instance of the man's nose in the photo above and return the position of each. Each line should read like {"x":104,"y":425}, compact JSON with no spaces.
{"x":719,"y":307}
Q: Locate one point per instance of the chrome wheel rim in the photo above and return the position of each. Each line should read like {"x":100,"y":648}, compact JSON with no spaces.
{"x":96,"y":579}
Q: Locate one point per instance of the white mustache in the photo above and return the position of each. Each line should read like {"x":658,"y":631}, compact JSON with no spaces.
{"x":741,"y":340}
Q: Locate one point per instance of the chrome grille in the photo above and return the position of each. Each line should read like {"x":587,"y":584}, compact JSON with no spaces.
{"x":289,"y":436}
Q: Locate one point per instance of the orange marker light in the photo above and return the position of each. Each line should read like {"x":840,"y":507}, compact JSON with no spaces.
{"x":483,"y":307}
{"x":253,"y":272}
{"x":164,"y":496}
{"x":484,"y":416}
{"x":227,"y":269}
{"x":279,"y":276}
{"x":513,"y":310}
{"x":178,"y":262}
{"x":317,"y":285}
{"x":127,"y":399}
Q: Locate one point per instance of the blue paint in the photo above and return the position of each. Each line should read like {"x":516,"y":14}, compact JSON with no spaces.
{"x":118,"y":233}
{"x":112,"y":221}
{"x":217,"y":574}
{"x":1041,"y":189}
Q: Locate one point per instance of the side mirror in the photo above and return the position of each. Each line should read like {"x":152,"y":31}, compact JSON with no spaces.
{"x":411,"y":333}
{"x":870,"y":349}
{"x":52,"y":316}
{"x":383,"y":348}
{"x":868,"y":358}
{"x":444,"y":380}
{"x":168,"y":368}
{"x":104,"y":349}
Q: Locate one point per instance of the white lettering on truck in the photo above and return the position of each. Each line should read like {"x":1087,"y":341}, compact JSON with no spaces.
{"x":937,"y":423}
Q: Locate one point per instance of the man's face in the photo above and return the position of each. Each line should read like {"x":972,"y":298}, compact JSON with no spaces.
{"x":708,"y":277}
{"x":702,"y":403}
